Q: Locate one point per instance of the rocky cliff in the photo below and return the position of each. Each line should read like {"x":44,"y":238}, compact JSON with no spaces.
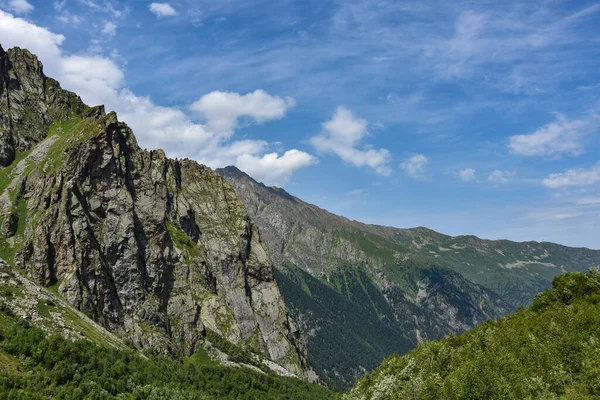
{"x":156,"y":250}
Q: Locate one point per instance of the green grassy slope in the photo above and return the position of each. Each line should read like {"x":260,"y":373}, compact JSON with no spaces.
{"x":551,"y":350}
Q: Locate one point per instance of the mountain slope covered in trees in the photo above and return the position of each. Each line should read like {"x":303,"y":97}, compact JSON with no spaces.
{"x":34,"y":366}
{"x":550,"y":350}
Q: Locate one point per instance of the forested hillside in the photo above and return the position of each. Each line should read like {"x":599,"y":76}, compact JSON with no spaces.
{"x":33,"y":366}
{"x":551,"y":350}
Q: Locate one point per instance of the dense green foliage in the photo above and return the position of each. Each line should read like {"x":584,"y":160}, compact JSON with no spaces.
{"x":355,"y":323}
{"x":550,"y":351}
{"x":58,"y":368}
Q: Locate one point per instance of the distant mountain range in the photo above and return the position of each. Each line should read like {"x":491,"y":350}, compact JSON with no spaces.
{"x":360,"y":292}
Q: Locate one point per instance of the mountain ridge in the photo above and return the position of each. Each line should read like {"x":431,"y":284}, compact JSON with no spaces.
{"x":159,"y":251}
{"x":233,"y":171}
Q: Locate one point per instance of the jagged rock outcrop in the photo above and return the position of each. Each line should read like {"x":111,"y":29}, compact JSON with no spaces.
{"x":154,"y":249}
{"x":30,"y":103}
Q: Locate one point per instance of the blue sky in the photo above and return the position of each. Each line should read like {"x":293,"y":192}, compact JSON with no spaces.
{"x":468,"y":117}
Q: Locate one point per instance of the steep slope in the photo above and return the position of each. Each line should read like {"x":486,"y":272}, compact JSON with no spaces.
{"x":549,"y":351}
{"x":155,"y":250}
{"x":353,"y":290}
{"x":35,"y":366}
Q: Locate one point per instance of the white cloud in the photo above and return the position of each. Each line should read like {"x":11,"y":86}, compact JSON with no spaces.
{"x":223,"y":110}
{"x":95,"y":78}
{"x":467,"y":174}
{"x":557,"y":138}
{"x":98,"y":80}
{"x":498,"y":176}
{"x":272,"y":168}
{"x":68,"y":18}
{"x":109,"y":29}
{"x":162,"y":10}
{"x":342,"y":134}
{"x":588,"y":201}
{"x":20,"y":6}
{"x":18,"y":32}
{"x":574,"y":177}
{"x":355,"y":192}
{"x":415,"y":166}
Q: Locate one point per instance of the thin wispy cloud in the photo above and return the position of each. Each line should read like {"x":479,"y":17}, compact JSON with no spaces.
{"x":499,"y":176}
{"x":415,"y":166}
{"x":109,"y":29}
{"x":467,"y":174}
{"x":574,"y":177}
{"x":355,"y":192}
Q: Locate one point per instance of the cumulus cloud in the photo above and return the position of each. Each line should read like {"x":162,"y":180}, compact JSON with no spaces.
{"x":415,"y":166}
{"x":20,"y":6}
{"x":18,"y":32}
{"x":98,"y":80}
{"x":93,"y":77}
{"x":574,"y":177}
{"x":223,"y":110}
{"x":467,"y":174}
{"x":342,"y":135}
{"x":109,"y":29}
{"x":557,"y":138}
{"x":274,"y":168}
{"x":162,"y":10}
{"x":498,"y":176}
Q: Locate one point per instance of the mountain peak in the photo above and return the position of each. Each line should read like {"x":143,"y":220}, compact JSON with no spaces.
{"x":30,"y":103}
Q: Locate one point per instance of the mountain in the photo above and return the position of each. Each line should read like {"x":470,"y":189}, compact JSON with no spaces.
{"x":549,"y":351}
{"x":360,"y":292}
{"x":134,"y":246}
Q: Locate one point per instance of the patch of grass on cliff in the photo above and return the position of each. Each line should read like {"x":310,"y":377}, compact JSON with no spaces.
{"x":235,"y":353}
{"x":45,"y":306}
{"x":70,"y":132}
{"x":8,"y":250}
{"x":201,"y":359}
{"x":6,"y":172}
{"x":79,"y":324}
{"x":8,"y":363}
{"x":183,"y":242}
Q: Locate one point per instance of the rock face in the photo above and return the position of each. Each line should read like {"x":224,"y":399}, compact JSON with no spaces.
{"x":155,"y":250}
